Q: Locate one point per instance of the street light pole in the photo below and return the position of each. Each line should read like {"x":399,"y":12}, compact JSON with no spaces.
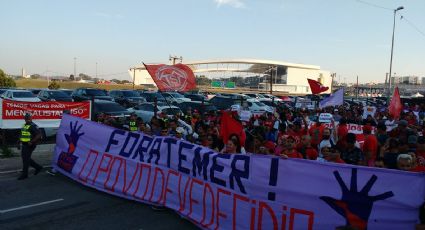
{"x":75,"y":68}
{"x":392,"y":48}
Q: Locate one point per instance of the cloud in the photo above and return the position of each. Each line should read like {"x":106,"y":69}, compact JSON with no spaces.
{"x":233,"y":3}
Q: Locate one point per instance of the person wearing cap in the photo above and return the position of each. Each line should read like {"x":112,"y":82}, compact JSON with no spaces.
{"x":179,"y":133}
{"x":30,"y":136}
{"x":401,"y":132}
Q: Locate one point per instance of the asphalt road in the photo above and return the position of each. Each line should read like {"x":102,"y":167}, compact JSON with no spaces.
{"x":57,"y":202}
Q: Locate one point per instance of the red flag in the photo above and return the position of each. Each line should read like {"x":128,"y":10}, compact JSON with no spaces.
{"x":177,"y":77}
{"x":231,"y":126}
{"x":316,"y":87}
{"x":395,"y":106}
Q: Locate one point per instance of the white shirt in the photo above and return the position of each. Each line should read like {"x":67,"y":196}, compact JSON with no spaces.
{"x":390,"y":125}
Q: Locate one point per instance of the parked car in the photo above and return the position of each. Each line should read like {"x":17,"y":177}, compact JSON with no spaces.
{"x":150,"y":96}
{"x":126,"y":98}
{"x":223,"y":103}
{"x":271,"y":97}
{"x":202,"y":108}
{"x":20,"y":95}
{"x":83,"y":94}
{"x":2,"y":90}
{"x":254,"y":95}
{"x":67,"y":91}
{"x":174,"y":97}
{"x":196,"y":96}
{"x":146,"y":110}
{"x":236,"y":96}
{"x":110,"y":108}
{"x":257,"y":107}
{"x":53,"y":95}
{"x":35,"y":91}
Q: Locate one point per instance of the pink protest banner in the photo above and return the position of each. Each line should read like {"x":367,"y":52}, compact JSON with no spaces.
{"x":233,"y":191}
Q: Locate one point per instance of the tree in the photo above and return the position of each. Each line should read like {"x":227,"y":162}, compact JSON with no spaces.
{"x":84,"y":76}
{"x":71,"y":77}
{"x":202,"y":80}
{"x":125,"y":82}
{"x":35,"y":76}
{"x":6,"y":81}
{"x":116,"y":81}
{"x":54,"y":85}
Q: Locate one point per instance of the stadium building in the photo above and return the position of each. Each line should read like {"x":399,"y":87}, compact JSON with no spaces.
{"x":286,"y":77}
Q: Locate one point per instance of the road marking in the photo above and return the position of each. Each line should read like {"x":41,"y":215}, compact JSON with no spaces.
{"x":30,"y":206}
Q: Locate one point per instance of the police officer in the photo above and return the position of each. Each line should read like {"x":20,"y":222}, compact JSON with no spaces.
{"x":30,"y":136}
{"x":133,"y":124}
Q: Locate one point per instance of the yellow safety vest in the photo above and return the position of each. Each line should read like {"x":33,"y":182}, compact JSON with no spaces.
{"x":25,"y":134}
{"x":133,"y":126}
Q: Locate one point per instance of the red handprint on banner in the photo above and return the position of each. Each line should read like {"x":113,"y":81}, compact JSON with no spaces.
{"x":67,"y":160}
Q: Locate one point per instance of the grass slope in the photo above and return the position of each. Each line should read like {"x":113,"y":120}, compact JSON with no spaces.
{"x":37,"y":83}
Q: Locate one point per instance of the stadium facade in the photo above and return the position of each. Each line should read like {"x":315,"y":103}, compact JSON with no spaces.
{"x":287,"y":77}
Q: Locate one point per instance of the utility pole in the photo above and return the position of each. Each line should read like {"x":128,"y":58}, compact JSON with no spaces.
{"x":96,"y":69}
{"x":392,"y":48}
{"x":173,"y":59}
{"x":271,"y":81}
{"x":357,"y":87}
{"x":75,"y":68}
{"x":134,"y":75}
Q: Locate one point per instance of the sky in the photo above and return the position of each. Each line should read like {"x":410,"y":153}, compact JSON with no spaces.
{"x":349,"y":37}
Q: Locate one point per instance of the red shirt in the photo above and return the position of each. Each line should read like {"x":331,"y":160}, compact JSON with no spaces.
{"x":371,"y":145}
{"x":342,"y":131}
{"x":420,"y":158}
{"x":316,"y":133}
{"x":311,"y":153}
{"x":418,"y":169}
{"x":294,"y":154}
{"x":297,"y":134}
{"x":338,"y":160}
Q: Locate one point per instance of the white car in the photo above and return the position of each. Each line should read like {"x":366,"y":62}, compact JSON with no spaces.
{"x":257,"y":107}
{"x":20,"y":95}
{"x":146,"y":110}
{"x":271,"y":97}
{"x":172,"y":97}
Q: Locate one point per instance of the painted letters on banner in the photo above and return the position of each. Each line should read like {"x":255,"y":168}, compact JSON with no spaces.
{"x":223,"y":191}
{"x":44,"y":114}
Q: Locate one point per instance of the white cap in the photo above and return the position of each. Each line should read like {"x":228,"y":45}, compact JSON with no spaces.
{"x":180,"y":130}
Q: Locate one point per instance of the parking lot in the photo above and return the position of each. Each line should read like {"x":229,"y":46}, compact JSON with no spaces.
{"x":57,"y":202}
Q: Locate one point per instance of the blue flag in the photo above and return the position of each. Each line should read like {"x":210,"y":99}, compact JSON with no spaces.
{"x":336,"y":98}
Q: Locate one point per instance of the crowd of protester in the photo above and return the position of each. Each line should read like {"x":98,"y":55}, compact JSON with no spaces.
{"x":296,"y":133}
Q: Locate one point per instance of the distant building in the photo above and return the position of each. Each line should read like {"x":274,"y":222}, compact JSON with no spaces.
{"x":409,"y":80}
{"x":423,"y":80}
{"x":287,"y":77}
